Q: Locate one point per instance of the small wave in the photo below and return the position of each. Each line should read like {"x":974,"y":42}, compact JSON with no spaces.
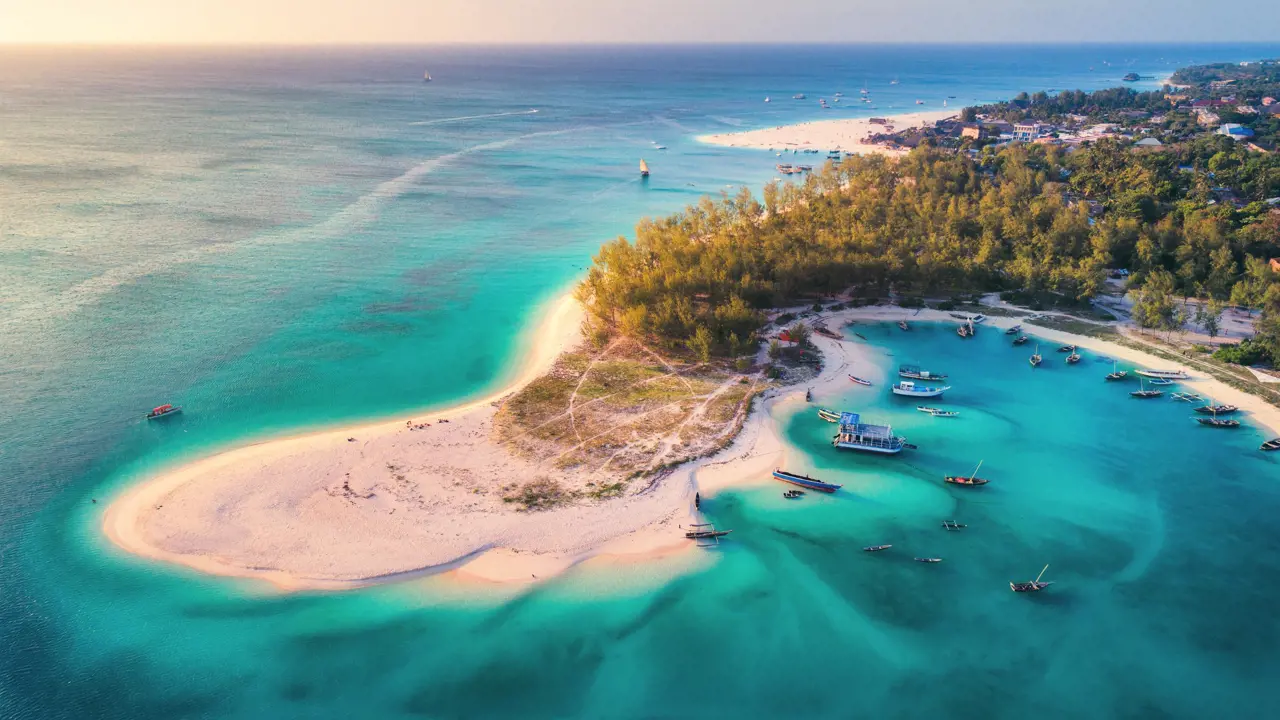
{"x":462,"y":118}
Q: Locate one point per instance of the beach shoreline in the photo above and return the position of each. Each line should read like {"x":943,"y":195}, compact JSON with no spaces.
{"x":842,"y":135}
{"x":530,"y":547}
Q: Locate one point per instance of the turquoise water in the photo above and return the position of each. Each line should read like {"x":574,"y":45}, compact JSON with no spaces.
{"x":284,"y":239}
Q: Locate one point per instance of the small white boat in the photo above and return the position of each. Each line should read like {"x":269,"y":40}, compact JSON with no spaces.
{"x":766,"y":99}
{"x":426,"y":77}
{"x":908,"y":388}
{"x":659,"y":147}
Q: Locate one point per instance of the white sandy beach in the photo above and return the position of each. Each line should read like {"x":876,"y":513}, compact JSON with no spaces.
{"x":844,"y":135}
{"x":318,"y":511}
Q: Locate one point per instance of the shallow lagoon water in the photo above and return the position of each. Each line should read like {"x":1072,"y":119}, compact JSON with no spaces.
{"x":269,"y":239}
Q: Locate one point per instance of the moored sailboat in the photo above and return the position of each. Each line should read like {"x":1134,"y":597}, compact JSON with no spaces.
{"x":1032,"y":586}
{"x":1036,"y":359}
{"x":972,"y":480}
{"x":1116,"y":374}
{"x":644,"y":168}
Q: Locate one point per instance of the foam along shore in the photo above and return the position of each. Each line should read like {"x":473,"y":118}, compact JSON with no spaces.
{"x":844,"y":135}
{"x":318,"y":511}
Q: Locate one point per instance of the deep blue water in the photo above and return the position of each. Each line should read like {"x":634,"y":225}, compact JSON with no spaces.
{"x":287,"y":238}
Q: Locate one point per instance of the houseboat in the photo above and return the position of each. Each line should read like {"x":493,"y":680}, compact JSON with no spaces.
{"x":856,"y":435}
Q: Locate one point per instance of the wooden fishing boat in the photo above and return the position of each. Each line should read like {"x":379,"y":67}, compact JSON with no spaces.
{"x":1013,"y":330}
{"x":804,"y":481}
{"x":1218,"y":422}
{"x":908,"y":388}
{"x":876,"y":548}
{"x":926,"y":409}
{"x":1144,"y":394}
{"x":163,"y":411}
{"x":945,"y":413}
{"x":963,"y":331}
{"x":953,"y":525}
{"x":830,"y":416}
{"x":1021,"y":340}
{"x":859,"y":380}
{"x":1116,"y":374}
{"x":1161,"y":383}
{"x":1036,"y":359}
{"x":928,"y":560}
{"x":706,"y":534}
{"x":1270,"y":445}
{"x":1067,"y":348}
{"x":972,"y":480}
{"x":793,"y":494}
{"x":1073,"y":358}
{"x":1186,"y":397}
{"x":1033,"y":586}
{"x":1217,"y":409}
{"x":903,"y":324}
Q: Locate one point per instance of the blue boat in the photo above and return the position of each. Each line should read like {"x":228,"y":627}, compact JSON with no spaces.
{"x":857,"y":435}
{"x":804,"y":481}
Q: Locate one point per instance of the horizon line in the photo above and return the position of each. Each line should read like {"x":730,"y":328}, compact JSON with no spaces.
{"x":628,"y":43}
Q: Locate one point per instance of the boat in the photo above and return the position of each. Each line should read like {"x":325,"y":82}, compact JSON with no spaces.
{"x":859,"y":380}
{"x":857,"y":435}
{"x":706,"y":534}
{"x":928,"y":560}
{"x":893,"y":81}
{"x":936,"y":412}
{"x":426,"y":76}
{"x":876,"y":548}
{"x":1116,"y":374}
{"x":1218,"y":422}
{"x":644,"y":168}
{"x":1073,"y":358}
{"x":163,"y":411}
{"x":766,"y":99}
{"x":908,"y":388}
{"x":903,"y":324}
{"x":1186,"y":397}
{"x":1217,"y":409}
{"x":798,"y":96}
{"x":919,"y":102}
{"x":1270,"y":445}
{"x":913,"y":372}
{"x":965,"y":331}
{"x":804,"y":481}
{"x":953,"y":525}
{"x":1036,"y":359}
{"x":1160,"y":383}
{"x":1164,"y":374}
{"x":1021,"y":340}
{"x":972,"y":480}
{"x":793,"y":494}
{"x":978,"y":319}
{"x":1033,"y":586}
{"x":830,"y":416}
{"x":1144,"y":394}
{"x":1067,"y":348}
{"x":659,"y":147}
{"x":1013,"y":330}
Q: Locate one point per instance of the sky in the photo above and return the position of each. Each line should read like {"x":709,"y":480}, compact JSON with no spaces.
{"x":638,"y":21}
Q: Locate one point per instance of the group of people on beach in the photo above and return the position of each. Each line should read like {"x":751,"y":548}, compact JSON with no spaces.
{"x":422,"y":425}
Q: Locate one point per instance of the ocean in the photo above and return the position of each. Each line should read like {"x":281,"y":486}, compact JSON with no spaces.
{"x":281,"y":239}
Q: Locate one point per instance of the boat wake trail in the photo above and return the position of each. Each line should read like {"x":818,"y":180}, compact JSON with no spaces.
{"x":442,"y":121}
{"x":345,"y":220}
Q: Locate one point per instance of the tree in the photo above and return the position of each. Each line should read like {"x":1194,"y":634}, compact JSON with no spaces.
{"x":969,"y":114}
{"x":1154,"y":306}
{"x":702,"y":343}
{"x":775,"y":350}
{"x":1209,"y":317}
{"x":800,"y":334}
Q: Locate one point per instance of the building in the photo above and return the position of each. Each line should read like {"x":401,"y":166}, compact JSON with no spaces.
{"x":1027,"y":130}
{"x":1207,"y":118}
{"x":1275,"y":265}
{"x":1149,"y":142}
{"x":1268,"y":101}
{"x":972,"y":131}
{"x":1235,"y":131}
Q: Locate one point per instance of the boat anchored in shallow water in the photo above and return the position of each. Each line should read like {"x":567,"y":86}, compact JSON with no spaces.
{"x":163,"y":411}
{"x":908,"y":388}
{"x":936,"y":412}
{"x":971,"y":481}
{"x":856,"y":435}
{"x":1144,"y":394}
{"x":1032,"y":586}
{"x":830,"y":416}
{"x":859,"y":380}
{"x":1036,"y":359}
{"x":876,"y":548}
{"x":913,"y":372}
{"x":1116,"y":374}
{"x":1164,"y":374}
{"x":805,"y":481}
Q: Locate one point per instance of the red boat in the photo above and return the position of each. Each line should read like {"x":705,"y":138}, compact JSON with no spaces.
{"x":163,"y":411}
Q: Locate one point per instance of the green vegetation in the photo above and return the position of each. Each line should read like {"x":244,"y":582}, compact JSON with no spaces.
{"x":1245,"y":353}
{"x":538,"y":494}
